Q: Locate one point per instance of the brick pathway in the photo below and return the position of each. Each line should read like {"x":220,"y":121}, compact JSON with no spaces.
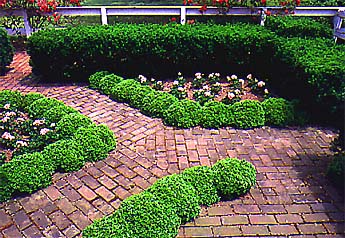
{"x":292,"y":196}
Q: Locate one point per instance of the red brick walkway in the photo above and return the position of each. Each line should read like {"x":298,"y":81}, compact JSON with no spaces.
{"x":292,"y":196}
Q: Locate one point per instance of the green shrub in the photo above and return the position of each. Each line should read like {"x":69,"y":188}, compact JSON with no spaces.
{"x":180,"y":195}
{"x":70,"y":123}
{"x":202,"y":179}
{"x":156,"y":103}
{"x":141,"y":215}
{"x":106,"y":135}
{"x":26,"y":173}
{"x":138,"y":94}
{"x":95,"y":78}
{"x":29,"y":98}
{"x":278,"y":111}
{"x":290,"y":26}
{"x":11,"y":97}
{"x":108,"y":82}
{"x":39,"y":107}
{"x":6,"y":51}
{"x":123,"y":90}
{"x":93,"y":147}
{"x":149,"y":49}
{"x":215,"y":115}
{"x":336,"y":171}
{"x":66,"y":155}
{"x":56,"y":113}
{"x":233,"y":177}
{"x":248,"y":114}
{"x":184,"y":113}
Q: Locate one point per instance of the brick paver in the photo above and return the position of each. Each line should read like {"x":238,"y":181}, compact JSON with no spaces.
{"x":292,"y":195}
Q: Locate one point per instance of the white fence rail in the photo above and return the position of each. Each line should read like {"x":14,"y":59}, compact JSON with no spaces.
{"x":338,"y":13}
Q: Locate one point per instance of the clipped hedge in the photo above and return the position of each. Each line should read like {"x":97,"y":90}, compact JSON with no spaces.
{"x":248,"y":114}
{"x":82,"y":141}
{"x":187,"y":113}
{"x":278,"y":111}
{"x":149,"y":49}
{"x":291,"y":26}
{"x":6,"y":51}
{"x":173,"y":200}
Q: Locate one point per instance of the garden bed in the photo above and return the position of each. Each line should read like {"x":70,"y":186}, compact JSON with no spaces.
{"x":40,"y":136}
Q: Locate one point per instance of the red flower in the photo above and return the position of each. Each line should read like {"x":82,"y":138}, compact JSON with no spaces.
{"x":263,"y":2}
{"x":173,"y":19}
{"x":298,"y":2}
{"x":268,"y":13}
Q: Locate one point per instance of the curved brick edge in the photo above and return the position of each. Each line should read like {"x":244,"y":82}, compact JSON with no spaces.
{"x":292,"y":196}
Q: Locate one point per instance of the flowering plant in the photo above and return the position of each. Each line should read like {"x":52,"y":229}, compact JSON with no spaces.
{"x":20,"y":134}
{"x":224,"y":5}
{"x":178,"y":89}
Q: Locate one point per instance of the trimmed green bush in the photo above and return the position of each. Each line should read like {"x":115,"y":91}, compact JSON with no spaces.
{"x":29,"y":98}
{"x":6,"y":51}
{"x":56,"y":113}
{"x":233,"y":177}
{"x":106,"y":135}
{"x":156,"y":103}
{"x":184,"y":113}
{"x":215,"y":115}
{"x":336,"y":171}
{"x":202,"y":179}
{"x":247,"y":114}
{"x":66,"y":155}
{"x":108,"y":82}
{"x":39,"y":107}
{"x":278,"y":111}
{"x":11,"y":97}
{"x":95,"y":78}
{"x":122,"y":91}
{"x":94,"y":148}
{"x":141,"y":215}
{"x":292,"y":26}
{"x":70,"y":123}
{"x":138,"y":94}
{"x":26,"y":173}
{"x":179,"y":194}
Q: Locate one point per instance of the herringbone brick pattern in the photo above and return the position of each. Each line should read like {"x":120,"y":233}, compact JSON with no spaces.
{"x":292,"y":196}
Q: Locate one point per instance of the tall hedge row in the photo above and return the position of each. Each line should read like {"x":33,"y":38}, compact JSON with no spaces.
{"x":309,"y":69}
{"x":6,"y":51}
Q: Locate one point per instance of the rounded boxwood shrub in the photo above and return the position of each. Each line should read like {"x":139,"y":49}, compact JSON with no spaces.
{"x":14,"y":98}
{"x":39,"y":107}
{"x":108,"y":82}
{"x":93,"y":147}
{"x":201,"y":178}
{"x":122,"y":91}
{"x":56,"y":113}
{"x":70,"y":123}
{"x":247,"y":114}
{"x":140,"y":215}
{"x":106,"y":135}
{"x":29,"y":98}
{"x":95,"y":78}
{"x":233,"y":177}
{"x":6,"y":51}
{"x":336,"y":171}
{"x":155,"y":103}
{"x":278,"y":111}
{"x":138,"y":94}
{"x":184,"y":113}
{"x":179,"y":194}
{"x":26,"y":173}
{"x":215,"y":115}
{"x":65,"y":154}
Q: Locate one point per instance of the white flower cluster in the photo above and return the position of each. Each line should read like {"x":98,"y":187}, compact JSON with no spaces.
{"x":21,"y":143}
{"x":7,"y":106}
{"x":44,"y":131}
{"x":7,"y":136}
{"x":142,"y":78}
{"x":198,"y":75}
{"x":38,"y":122}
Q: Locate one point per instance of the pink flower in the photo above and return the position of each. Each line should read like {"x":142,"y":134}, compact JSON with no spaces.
{"x":231,"y":95}
{"x":7,"y":136}
{"x":7,"y":106}
{"x":44,"y":131}
{"x":261,"y":84}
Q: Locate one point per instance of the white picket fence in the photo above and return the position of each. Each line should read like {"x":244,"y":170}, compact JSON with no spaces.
{"x":338,"y":13}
